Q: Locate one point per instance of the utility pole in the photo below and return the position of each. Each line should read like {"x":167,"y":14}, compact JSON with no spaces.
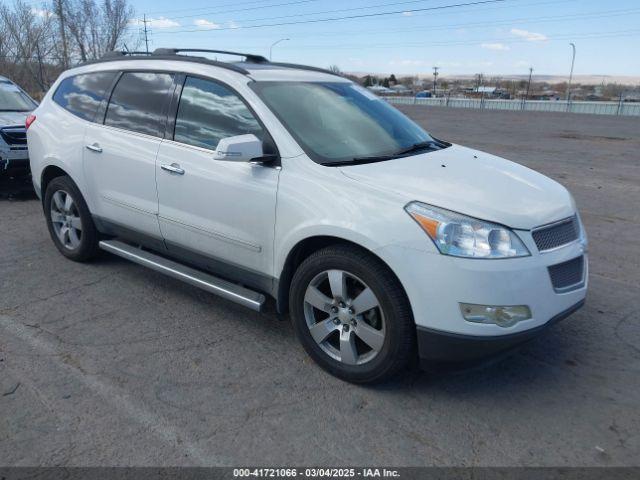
{"x":573,"y":59}
{"x":63,"y":34}
{"x":146,"y":32}
{"x":435,"y":79}
{"x":526,"y":97}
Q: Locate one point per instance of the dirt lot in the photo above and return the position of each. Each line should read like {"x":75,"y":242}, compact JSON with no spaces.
{"x":111,"y":364}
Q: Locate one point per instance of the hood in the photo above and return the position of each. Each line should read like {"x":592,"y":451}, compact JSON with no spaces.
{"x":13,"y":119}
{"x":472,"y":183}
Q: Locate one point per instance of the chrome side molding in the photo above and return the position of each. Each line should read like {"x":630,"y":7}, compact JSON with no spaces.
{"x":197,"y":278}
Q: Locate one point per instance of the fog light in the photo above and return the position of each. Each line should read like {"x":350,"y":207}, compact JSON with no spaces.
{"x":503,"y":316}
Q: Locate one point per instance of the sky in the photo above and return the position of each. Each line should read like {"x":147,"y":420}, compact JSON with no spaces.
{"x":494,"y":37}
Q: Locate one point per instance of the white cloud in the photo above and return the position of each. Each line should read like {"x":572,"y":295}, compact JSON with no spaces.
{"x":407,"y":14}
{"x":201,"y":22}
{"x":529,"y":36}
{"x":160,"y":22}
{"x":494,"y":46}
{"x":232,"y":24}
{"x":42,"y":13}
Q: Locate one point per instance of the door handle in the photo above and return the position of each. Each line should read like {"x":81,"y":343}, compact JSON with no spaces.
{"x":173,"y":168}
{"x":95,"y":148}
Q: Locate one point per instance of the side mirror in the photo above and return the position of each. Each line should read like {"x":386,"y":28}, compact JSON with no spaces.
{"x":240,"y":148}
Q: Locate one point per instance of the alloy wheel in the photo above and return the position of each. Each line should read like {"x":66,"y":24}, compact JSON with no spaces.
{"x":65,"y":219}
{"x":344,"y":317}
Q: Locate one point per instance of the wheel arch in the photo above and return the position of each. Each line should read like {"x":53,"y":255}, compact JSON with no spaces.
{"x":302,"y":250}
{"x":49,"y":173}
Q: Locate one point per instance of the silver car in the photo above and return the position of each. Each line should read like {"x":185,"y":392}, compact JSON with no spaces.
{"x":15,"y":106}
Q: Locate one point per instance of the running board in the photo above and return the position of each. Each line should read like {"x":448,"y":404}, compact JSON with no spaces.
{"x":215,"y":285}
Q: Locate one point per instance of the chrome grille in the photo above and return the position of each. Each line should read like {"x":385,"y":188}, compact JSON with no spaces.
{"x":14,"y":135}
{"x":567,"y":276}
{"x":557,"y":234}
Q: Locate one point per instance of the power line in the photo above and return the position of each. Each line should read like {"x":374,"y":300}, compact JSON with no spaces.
{"x":340,"y":10}
{"x":613,"y":34}
{"x":551,"y":19}
{"x":509,"y":40}
{"x":472,"y":42}
{"x":297,"y":2}
{"x":349,"y":17}
{"x":154,"y":12}
{"x":554,"y":2}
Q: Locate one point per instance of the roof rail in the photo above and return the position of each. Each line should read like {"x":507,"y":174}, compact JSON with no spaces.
{"x":303,"y":67}
{"x":172,"y":53}
{"x":249,"y":57}
{"x":121,"y":53}
{"x":120,"y":56}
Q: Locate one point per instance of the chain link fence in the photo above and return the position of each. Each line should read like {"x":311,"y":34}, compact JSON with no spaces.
{"x":598,"y":108}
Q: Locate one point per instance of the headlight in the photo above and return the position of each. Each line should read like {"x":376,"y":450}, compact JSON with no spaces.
{"x":462,"y":236}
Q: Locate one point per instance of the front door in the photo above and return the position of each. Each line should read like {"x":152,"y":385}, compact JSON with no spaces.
{"x":220,"y":209}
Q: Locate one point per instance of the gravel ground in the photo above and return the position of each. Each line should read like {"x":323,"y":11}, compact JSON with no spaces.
{"x":111,"y":364}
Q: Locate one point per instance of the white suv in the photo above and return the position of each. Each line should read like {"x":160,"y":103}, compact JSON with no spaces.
{"x":257,"y":179}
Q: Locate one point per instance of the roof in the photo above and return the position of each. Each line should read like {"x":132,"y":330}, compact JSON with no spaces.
{"x":255,"y":66}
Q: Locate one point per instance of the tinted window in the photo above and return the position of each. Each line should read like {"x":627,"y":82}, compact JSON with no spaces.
{"x":338,"y":122}
{"x":209,"y":112}
{"x":138,"y":102}
{"x":82,"y":94}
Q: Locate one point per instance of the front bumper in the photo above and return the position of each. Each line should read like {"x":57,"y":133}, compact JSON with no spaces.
{"x":435,"y":346}
{"x":14,"y":163}
{"x":437,"y":284}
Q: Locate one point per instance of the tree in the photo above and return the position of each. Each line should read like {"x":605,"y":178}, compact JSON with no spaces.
{"x":96,"y":28}
{"x":28,"y":43}
{"x":335,"y":69}
{"x":392,"y":79}
{"x":36,"y":44}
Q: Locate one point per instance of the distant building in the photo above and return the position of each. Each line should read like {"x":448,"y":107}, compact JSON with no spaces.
{"x":484,"y":89}
{"x":379,"y":89}
{"x":401,"y":89}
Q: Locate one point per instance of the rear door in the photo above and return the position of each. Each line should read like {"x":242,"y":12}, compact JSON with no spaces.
{"x":121,"y":149}
{"x":220,"y":209}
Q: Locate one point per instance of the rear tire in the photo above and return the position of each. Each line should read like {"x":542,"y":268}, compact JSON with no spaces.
{"x":351,"y":314}
{"x":69,"y":220}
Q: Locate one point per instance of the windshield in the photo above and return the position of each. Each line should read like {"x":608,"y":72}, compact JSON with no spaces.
{"x":12,"y":99}
{"x":340,"y":122}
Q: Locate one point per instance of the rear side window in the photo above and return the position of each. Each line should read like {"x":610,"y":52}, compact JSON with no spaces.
{"x":209,"y":112}
{"x":82,"y":94}
{"x":138,"y":102}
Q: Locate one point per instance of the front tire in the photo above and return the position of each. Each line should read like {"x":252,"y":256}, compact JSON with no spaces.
{"x":351,"y":314}
{"x":69,"y":220}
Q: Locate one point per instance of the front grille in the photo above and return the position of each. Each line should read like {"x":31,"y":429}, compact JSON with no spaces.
{"x":557,"y":234}
{"x":567,"y":276}
{"x":14,"y":135}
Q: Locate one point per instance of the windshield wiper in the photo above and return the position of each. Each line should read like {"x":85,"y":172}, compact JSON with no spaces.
{"x":416,"y":147}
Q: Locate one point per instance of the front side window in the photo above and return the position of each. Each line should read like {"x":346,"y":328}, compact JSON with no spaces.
{"x":82,"y":94}
{"x":209,"y":112}
{"x":138,"y":102}
{"x":12,"y":99}
{"x":341,"y":122}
